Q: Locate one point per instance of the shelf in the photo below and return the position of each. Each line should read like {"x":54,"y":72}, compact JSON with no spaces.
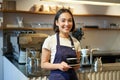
{"x":50,"y":29}
{"x":51,"y":13}
{"x":41,"y":29}
{"x":27,"y":12}
{"x":85,"y":29}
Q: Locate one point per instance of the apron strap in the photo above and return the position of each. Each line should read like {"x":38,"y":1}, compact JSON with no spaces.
{"x":58,"y":41}
{"x":71,"y":41}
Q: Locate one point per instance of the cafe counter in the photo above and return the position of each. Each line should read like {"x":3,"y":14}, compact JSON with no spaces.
{"x":15,"y":71}
{"x":108,"y":71}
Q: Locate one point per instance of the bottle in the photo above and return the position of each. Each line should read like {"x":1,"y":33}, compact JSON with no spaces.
{"x":98,"y":62}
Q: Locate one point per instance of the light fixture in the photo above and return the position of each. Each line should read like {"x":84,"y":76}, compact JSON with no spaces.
{"x":90,"y":2}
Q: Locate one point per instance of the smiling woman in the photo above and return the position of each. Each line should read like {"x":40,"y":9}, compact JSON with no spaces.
{"x":61,"y":46}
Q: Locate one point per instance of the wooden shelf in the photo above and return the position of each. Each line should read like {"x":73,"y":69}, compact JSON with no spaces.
{"x":27,"y":12}
{"x":85,"y":29}
{"x":41,"y":29}
{"x":51,"y":13}
{"x":50,"y":29}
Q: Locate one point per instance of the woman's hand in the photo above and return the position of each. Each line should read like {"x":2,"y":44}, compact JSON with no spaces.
{"x":64,"y":66}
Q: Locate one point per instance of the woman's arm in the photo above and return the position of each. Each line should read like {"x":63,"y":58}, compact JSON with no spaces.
{"x":47,"y":65}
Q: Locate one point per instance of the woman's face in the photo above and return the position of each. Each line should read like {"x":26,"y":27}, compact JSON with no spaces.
{"x":64,"y":23}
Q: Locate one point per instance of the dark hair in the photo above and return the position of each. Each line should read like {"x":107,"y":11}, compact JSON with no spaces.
{"x":63,"y":10}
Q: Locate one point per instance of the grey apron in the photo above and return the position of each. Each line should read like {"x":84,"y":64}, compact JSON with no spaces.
{"x":62,"y":53}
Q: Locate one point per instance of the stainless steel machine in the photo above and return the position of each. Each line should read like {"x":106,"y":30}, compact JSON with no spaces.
{"x":25,"y":42}
{"x":87,"y":57}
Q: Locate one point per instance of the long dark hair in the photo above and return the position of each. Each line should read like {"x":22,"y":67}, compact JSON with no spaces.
{"x":63,"y":10}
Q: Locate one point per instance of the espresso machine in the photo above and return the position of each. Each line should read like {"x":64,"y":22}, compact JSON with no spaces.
{"x":27,"y":41}
{"x":32,"y":43}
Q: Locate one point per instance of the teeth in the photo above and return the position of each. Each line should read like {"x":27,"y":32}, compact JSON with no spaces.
{"x":66,"y":28}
